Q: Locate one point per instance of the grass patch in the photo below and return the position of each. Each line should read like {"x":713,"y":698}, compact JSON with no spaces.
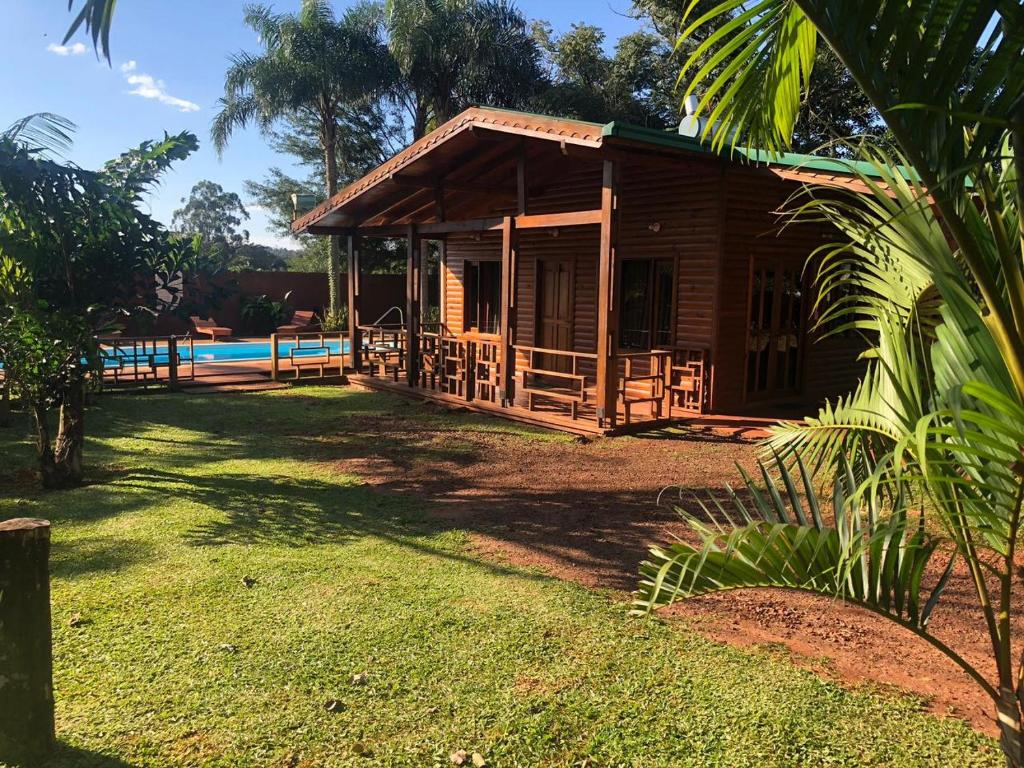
{"x":231,"y":581}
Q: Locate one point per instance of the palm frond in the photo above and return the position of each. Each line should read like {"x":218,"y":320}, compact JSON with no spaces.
{"x":756,"y":67}
{"x":97,"y":16}
{"x":781,"y":539}
{"x":778,"y":537}
{"x":43,"y":131}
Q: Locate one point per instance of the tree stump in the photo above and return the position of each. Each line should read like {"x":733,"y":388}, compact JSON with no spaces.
{"x":26,"y":649}
{"x":5,"y":405}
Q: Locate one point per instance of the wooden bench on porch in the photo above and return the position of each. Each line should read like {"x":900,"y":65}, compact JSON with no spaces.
{"x":573,"y":389}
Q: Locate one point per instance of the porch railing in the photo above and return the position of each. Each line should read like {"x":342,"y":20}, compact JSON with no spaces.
{"x":668,"y":381}
{"x":558,"y":375}
{"x":643,"y":380}
{"x":135,"y":362}
{"x":383,"y":350}
{"x":307,"y":355}
{"x":686,"y":381}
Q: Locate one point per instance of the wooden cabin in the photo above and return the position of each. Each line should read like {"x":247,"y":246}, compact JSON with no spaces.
{"x":591,"y":277}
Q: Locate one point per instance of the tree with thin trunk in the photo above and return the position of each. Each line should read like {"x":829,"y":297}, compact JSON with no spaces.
{"x":312,"y":67}
{"x":926,"y":455}
{"x":77,"y":256}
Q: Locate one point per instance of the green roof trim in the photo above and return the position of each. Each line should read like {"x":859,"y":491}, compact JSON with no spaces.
{"x":817,"y":163}
{"x":670,"y":139}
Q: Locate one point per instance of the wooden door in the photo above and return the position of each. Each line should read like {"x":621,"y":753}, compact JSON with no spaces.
{"x":555,"y":310}
{"x":775,"y":339}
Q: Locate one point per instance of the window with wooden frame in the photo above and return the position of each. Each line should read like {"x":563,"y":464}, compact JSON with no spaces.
{"x":647,"y":300}
{"x":483,"y":296}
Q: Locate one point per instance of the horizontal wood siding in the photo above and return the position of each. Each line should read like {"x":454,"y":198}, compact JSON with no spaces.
{"x":577,"y":245}
{"x":459,"y":250}
{"x":751,"y":230}
{"x":682,"y":204}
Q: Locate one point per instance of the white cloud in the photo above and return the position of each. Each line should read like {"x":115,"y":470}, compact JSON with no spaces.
{"x":75,"y":49}
{"x":275,"y":241}
{"x":148,"y":87}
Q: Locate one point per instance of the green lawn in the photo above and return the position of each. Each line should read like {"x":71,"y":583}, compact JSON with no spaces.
{"x":175,"y":661}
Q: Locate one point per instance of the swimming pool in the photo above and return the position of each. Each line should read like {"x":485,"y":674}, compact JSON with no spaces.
{"x":217,"y":352}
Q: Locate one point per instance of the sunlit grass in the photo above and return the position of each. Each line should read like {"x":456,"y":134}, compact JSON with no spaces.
{"x":227,"y":582}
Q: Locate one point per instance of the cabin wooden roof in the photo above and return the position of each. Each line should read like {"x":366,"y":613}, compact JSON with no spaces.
{"x":473,"y":152}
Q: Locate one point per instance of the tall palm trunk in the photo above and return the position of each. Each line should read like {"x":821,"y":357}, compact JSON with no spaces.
{"x":334,"y":254}
{"x":420,"y":119}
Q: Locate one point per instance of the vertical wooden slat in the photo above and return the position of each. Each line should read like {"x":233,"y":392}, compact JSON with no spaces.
{"x":607,"y":301}
{"x":354,"y":342}
{"x":412,"y":305}
{"x":521,"y":191}
{"x":508,"y":281}
{"x":423,"y":285}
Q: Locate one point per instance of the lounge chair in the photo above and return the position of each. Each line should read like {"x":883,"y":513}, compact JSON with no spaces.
{"x":301,"y":322}
{"x":210,"y":328}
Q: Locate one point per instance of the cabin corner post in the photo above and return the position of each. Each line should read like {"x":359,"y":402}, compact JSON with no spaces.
{"x":412,"y":305}
{"x":508,"y":309}
{"x":354,"y":341}
{"x":607,"y":301}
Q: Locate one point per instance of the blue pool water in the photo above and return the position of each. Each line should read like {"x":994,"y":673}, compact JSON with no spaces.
{"x":225,"y":352}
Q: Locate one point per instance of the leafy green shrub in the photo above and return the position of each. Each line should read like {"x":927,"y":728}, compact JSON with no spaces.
{"x":261,"y":315}
{"x":334,"y":322}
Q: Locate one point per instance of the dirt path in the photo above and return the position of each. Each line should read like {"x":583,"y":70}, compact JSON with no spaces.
{"x":586,"y":511}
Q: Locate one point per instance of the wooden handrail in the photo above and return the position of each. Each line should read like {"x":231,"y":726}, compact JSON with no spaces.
{"x":563,"y":352}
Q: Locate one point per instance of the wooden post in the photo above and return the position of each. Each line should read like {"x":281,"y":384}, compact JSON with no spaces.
{"x":26,"y":647}
{"x":607,"y":302}
{"x":354,"y":340}
{"x":274,"y":362}
{"x":521,"y":179}
{"x":423,"y":283}
{"x":412,"y":305}
{"x":172,"y":363}
{"x":507,"y":353}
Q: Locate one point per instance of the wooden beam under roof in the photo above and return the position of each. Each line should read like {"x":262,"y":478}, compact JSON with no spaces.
{"x":488,"y":224}
{"x":430,"y":182}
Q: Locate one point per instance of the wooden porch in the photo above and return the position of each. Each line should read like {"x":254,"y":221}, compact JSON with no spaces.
{"x":547,"y":387}
{"x":589,"y":278}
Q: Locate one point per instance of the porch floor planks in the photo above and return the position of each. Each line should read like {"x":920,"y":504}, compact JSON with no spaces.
{"x":551,"y":417}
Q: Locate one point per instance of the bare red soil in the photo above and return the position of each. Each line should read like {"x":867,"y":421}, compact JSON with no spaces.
{"x":587,"y":511}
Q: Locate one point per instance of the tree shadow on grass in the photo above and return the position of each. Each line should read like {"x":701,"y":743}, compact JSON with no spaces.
{"x":280,"y":510}
{"x":79,"y":557}
{"x":67,"y":756}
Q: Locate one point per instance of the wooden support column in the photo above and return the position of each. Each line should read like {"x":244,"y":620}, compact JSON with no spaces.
{"x":412,"y":305}
{"x":172,"y":363}
{"x":608,"y":301}
{"x":354,"y":340}
{"x":26,"y":647}
{"x":509,"y":249}
{"x":521,"y":189}
{"x":424,"y":279}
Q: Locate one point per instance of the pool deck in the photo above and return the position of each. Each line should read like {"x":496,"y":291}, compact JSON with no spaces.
{"x":224,"y":376}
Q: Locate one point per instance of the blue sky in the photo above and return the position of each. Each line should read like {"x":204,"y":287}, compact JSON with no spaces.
{"x":168,"y":63}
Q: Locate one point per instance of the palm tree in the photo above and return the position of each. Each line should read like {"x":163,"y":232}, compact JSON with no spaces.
{"x":313,"y":67}
{"x":454,"y":53}
{"x":932,"y":273}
